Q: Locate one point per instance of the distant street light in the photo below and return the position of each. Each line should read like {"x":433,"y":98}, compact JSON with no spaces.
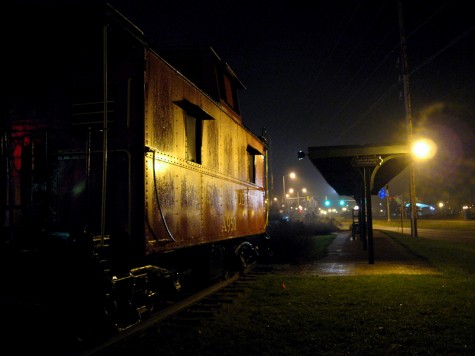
{"x":421,"y":149}
{"x":292,"y":175}
{"x":304,"y":191}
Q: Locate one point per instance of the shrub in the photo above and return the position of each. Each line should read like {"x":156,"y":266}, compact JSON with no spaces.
{"x":298,"y":242}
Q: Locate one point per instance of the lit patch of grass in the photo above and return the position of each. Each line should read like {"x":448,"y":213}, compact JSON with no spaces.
{"x":357,"y":315}
{"x":452,"y":257}
{"x":370,"y":315}
{"x":452,"y":224}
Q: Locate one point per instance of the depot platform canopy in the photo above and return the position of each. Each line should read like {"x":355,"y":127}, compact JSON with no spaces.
{"x":342,"y":166}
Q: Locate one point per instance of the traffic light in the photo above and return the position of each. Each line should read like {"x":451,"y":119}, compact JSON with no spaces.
{"x":327,"y":202}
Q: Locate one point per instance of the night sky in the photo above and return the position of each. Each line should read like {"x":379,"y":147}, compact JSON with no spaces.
{"x":327,"y":73}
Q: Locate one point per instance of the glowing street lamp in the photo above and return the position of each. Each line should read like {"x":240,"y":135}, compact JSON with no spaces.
{"x":304,"y":191}
{"x":292,"y":175}
{"x":421,"y":149}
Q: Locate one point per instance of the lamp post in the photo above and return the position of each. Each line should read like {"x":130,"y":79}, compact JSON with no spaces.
{"x":408,"y":108}
{"x":304,"y":191}
{"x":387,"y":203}
{"x":292,"y":176}
{"x":288,"y":207}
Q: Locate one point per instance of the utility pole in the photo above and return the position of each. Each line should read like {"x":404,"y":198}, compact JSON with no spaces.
{"x":283,"y":190}
{"x":387,"y":203}
{"x":407,"y":102}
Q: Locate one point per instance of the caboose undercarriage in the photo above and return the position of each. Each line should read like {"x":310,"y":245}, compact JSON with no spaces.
{"x":73,"y":282}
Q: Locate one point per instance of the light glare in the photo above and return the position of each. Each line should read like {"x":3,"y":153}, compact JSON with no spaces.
{"x":424,"y":149}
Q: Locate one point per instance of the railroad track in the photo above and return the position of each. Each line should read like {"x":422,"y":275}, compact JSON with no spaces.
{"x":183,"y":313}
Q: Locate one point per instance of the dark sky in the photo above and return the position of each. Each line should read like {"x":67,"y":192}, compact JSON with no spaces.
{"x":326,"y":73}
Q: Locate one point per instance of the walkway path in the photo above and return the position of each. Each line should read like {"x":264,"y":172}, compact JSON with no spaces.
{"x":347,"y":257}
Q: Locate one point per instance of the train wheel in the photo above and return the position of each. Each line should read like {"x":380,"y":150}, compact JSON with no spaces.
{"x":263,"y":249}
{"x":246,"y":254}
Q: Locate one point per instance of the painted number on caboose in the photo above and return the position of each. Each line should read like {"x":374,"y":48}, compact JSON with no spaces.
{"x":229,"y":223}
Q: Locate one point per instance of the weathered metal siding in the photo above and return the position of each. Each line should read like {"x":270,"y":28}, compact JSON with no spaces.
{"x":196,"y":203}
{"x":211,"y":144}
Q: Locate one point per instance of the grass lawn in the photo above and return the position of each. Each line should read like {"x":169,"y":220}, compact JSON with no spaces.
{"x":357,"y":315}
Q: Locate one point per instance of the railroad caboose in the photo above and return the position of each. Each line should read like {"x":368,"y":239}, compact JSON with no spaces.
{"x":125,"y":170}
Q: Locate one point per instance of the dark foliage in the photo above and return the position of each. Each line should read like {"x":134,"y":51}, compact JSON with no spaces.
{"x":298,"y":242}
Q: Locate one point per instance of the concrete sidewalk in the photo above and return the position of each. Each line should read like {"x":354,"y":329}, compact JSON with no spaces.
{"x":347,"y":257}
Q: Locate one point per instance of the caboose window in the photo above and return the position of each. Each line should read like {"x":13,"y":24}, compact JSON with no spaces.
{"x":251,"y":167}
{"x":229,"y":91}
{"x":251,"y":163}
{"x":193,"y":129}
{"x":194,"y":117}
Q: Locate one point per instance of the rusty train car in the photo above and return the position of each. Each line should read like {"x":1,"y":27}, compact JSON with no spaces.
{"x":127,"y":172}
